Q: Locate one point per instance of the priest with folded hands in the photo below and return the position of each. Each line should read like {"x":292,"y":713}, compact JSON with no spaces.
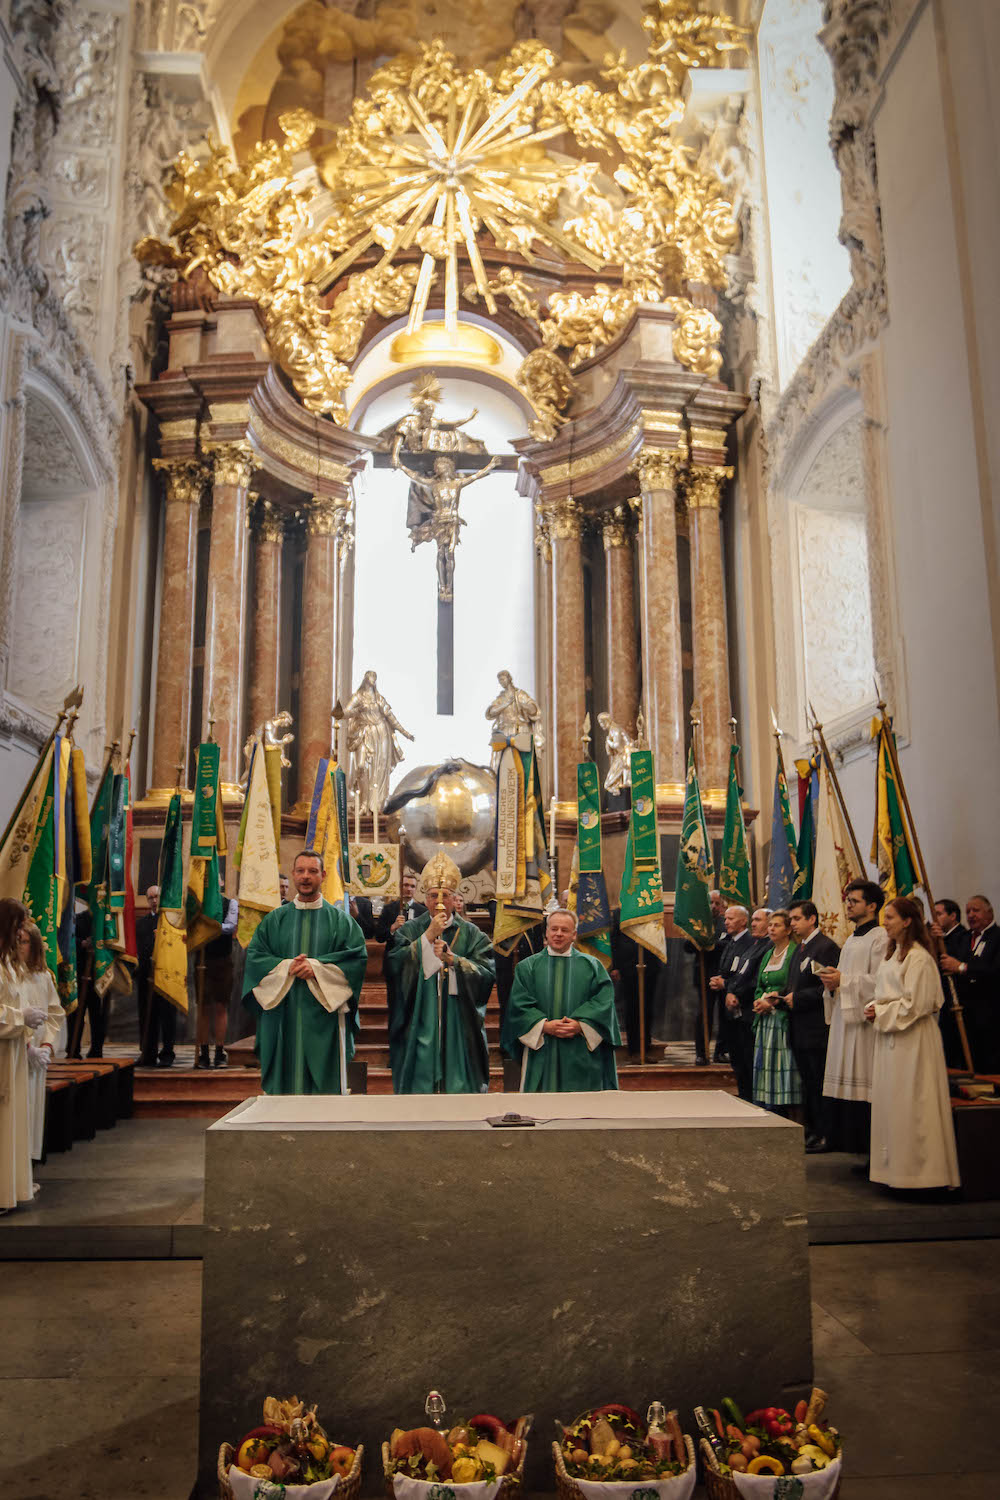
{"x":303,"y":975}
{"x":561,"y":1013}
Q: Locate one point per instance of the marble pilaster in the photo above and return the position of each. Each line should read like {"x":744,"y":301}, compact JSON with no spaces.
{"x":568,"y":665}
{"x":703,"y":488}
{"x":663,"y":687}
{"x":268,"y":529}
{"x":619,"y":627}
{"x":185,"y":479}
{"x":318,"y":649}
{"x":225,"y":613}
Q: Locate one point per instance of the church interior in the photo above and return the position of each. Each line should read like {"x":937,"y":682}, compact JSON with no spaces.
{"x":553,"y":432}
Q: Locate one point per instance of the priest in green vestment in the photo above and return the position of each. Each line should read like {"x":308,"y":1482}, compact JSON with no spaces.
{"x":304,"y":969}
{"x":561,"y":1012}
{"x":439,"y":973}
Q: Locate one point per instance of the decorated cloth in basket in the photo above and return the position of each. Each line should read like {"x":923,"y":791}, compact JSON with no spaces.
{"x":670,"y":1487}
{"x":405,"y":1487}
{"x":236,"y":1484}
{"x":822,"y":1485}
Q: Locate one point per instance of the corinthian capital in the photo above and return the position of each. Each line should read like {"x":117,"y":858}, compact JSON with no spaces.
{"x":328,"y":516}
{"x":566,"y":519}
{"x":184,"y":477}
{"x":267,"y":522}
{"x":658,"y":468}
{"x":703,"y":485}
{"x":543,"y":534}
{"x":614,"y":526}
{"x":232,"y":463}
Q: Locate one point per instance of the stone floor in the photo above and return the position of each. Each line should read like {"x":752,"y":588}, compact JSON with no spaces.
{"x":99,"y":1377}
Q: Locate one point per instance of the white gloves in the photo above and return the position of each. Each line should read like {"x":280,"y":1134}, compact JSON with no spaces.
{"x":38,"y":1057}
{"x":33,"y":1016}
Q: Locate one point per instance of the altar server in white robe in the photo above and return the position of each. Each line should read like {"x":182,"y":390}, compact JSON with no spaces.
{"x":847,"y":989}
{"x":16,"y":1022}
{"x":913,"y":1138}
{"x":37,"y":988}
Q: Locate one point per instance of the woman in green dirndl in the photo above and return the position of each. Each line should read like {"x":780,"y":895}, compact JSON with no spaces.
{"x":776,"y":1082}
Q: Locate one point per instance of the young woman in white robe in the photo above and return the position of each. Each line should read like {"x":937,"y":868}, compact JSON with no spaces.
{"x":913,"y":1138}
{"x":16,"y":1021}
{"x":38,"y":988}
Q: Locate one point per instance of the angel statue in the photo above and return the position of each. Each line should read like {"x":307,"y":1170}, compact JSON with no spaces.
{"x":420,"y":431}
{"x":513,"y":711}
{"x":371,"y":743}
{"x":619,"y":747}
{"x":269,"y":735}
{"x":432,"y":514}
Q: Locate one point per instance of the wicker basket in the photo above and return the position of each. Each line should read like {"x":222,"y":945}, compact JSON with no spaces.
{"x":349,"y":1487}
{"x":720,"y":1486}
{"x":507,"y":1489}
{"x":568,"y":1489}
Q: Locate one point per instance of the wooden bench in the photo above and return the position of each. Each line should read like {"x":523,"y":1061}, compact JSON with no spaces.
{"x":60,"y":1115}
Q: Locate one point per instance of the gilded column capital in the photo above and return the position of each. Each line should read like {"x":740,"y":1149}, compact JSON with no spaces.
{"x":327,"y":516}
{"x":566,"y":519}
{"x":232,"y":463}
{"x":267,"y":522}
{"x":658,"y":468}
{"x":615,"y":528}
{"x":185,"y":479}
{"x":703,"y":485}
{"x":543,"y":534}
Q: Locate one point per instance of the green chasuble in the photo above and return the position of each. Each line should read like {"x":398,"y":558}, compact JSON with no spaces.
{"x":548,"y":987}
{"x":456,"y":1061}
{"x":298,"y":1039}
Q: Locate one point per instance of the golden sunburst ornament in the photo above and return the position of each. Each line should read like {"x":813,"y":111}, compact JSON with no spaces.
{"x":433,"y":159}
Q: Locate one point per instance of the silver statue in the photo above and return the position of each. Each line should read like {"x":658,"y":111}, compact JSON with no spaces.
{"x":513,"y":711}
{"x":269,"y":736}
{"x":371,"y":743}
{"x":432,"y":514}
{"x":619,"y":747}
{"x":420,"y":431}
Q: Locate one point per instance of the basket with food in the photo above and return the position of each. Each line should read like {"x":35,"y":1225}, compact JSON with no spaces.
{"x":770,"y":1454}
{"x":610,"y":1453}
{"x":289,"y":1455}
{"x":480,"y":1457}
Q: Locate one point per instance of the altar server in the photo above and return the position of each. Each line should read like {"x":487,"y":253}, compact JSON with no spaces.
{"x":439,"y":973}
{"x":37,"y":989}
{"x":847,"y":989}
{"x":304,"y":970}
{"x":17,"y":1021}
{"x":913,"y":1138}
{"x":561,"y":1014}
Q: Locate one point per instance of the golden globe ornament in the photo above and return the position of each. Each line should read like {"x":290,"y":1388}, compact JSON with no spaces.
{"x":450,"y":807}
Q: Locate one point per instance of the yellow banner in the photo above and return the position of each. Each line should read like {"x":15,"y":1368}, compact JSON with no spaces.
{"x":19,"y":840}
{"x":170,"y":962}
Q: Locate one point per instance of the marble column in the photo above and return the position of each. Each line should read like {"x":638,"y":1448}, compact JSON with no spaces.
{"x":225,"y":615}
{"x":543,"y":647}
{"x":568,"y":623}
{"x":318,"y":650}
{"x":619,"y":624}
{"x":185,"y":480}
{"x":663,"y":686}
{"x":268,"y":529}
{"x":710,"y":646}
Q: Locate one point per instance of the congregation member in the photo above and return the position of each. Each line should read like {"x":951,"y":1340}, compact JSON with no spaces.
{"x":213,"y":1013}
{"x":776,"y":1083}
{"x":37,"y":989}
{"x":361,"y":911}
{"x":736,"y":982}
{"x":395,"y":913}
{"x":947,"y":926}
{"x":979,"y":983}
{"x":157,"y":1014}
{"x":304,"y":970}
{"x":17,"y":1022}
{"x":848,"y":987}
{"x":561,"y":1016}
{"x":439,"y":973}
{"x":807,"y":1029}
{"x":913,"y":1138}
{"x":711,"y":962}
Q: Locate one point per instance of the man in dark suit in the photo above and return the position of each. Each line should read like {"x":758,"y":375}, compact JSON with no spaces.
{"x":807,"y":1022}
{"x":361,"y":911}
{"x":739,"y":956}
{"x":394,"y":913}
{"x":947,"y":926}
{"x":711,"y":961}
{"x":157,"y":1017}
{"x":979,"y":975}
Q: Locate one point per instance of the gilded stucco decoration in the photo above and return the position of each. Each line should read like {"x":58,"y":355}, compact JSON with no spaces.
{"x":441,"y":163}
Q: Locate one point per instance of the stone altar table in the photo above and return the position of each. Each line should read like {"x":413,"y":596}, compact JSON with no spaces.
{"x":361,"y":1250}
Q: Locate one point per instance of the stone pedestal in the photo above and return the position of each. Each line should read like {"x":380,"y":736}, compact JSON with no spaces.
{"x":360,"y":1251}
